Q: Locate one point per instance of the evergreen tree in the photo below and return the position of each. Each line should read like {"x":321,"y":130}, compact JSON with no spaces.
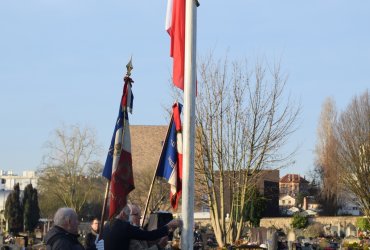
{"x":13,"y":211}
{"x":299,"y":221}
{"x":31,"y":211}
{"x":254,"y":208}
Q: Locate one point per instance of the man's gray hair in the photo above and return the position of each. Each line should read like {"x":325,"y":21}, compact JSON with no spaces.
{"x":127,"y":209}
{"x":64,"y":215}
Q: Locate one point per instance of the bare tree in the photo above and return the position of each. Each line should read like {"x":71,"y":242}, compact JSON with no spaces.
{"x":243,"y":120}
{"x":326,"y":160}
{"x":69,"y":168}
{"x":353,"y":153}
{"x":159,"y":199}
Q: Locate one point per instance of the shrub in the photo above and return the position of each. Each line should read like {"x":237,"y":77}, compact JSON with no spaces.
{"x":363,"y":224}
{"x":314,"y":230}
{"x":299,"y":221}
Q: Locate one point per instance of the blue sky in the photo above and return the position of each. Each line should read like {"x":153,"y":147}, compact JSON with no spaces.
{"x":63,"y":62}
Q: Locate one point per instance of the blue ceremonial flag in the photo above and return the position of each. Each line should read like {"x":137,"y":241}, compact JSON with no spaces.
{"x":170,"y":163}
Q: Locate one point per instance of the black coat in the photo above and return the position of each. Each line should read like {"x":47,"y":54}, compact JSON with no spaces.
{"x":90,"y":241}
{"x":59,"y":239}
{"x":117,"y":234}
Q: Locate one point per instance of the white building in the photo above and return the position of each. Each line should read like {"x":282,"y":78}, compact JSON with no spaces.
{"x":286,"y":201}
{"x":9,"y":179}
{"x":349,"y":205}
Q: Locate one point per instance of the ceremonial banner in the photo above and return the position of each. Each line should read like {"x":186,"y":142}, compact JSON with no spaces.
{"x":170,"y":163}
{"x":118,"y":165}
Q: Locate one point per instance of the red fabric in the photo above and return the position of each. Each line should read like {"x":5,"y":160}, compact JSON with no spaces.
{"x":177,"y":34}
{"x":177,"y":120}
{"x":122,"y":183}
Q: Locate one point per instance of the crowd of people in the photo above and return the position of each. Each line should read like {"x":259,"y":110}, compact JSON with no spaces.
{"x":120,"y":233}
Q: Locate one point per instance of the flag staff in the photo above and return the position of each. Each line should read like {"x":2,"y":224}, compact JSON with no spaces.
{"x":154,"y":176}
{"x":129,"y":68}
{"x":187,"y":208}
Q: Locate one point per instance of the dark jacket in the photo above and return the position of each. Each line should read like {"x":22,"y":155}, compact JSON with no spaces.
{"x":59,"y":239}
{"x":117,"y":234}
{"x":90,"y":240}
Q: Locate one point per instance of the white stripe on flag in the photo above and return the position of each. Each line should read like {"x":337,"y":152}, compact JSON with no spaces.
{"x":173,"y":181}
{"x":179,"y":142}
{"x":117,"y":149}
{"x":169,"y":15}
{"x":127,"y":138}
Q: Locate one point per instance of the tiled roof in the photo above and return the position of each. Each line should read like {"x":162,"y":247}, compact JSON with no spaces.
{"x":293,"y":178}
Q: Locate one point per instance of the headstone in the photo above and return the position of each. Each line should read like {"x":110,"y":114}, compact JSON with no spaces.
{"x":272,"y":239}
{"x":351,"y":230}
{"x":291,"y":239}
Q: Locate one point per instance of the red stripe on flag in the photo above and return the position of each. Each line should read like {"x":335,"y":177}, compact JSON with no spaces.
{"x":177,"y":120}
{"x":177,"y":34}
{"x":122,"y":183}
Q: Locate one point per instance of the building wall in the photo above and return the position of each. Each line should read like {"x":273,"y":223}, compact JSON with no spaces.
{"x":146,"y":146}
{"x":271,"y":193}
{"x":284,"y":222}
{"x":8,"y":180}
{"x":287,"y":201}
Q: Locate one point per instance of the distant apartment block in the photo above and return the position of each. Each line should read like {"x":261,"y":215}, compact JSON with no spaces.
{"x":9,"y":179}
{"x":292,"y":184}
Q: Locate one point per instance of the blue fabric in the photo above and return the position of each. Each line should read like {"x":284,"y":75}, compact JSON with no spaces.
{"x":168,"y":158}
{"x":107,"y":171}
{"x":169,"y":154}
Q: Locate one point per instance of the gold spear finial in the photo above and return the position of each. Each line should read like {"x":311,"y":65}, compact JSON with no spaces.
{"x":129,"y":67}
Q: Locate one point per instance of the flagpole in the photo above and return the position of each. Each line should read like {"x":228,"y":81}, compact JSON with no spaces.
{"x":102,"y":219}
{"x":154,"y":176}
{"x":187,"y":208}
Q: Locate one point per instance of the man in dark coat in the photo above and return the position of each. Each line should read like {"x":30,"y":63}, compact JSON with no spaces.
{"x":134,"y":219}
{"x":118,"y":232}
{"x":91,"y":236}
{"x":64,"y":234}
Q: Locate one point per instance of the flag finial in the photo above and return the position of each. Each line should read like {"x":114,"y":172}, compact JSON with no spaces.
{"x":129,"y":67}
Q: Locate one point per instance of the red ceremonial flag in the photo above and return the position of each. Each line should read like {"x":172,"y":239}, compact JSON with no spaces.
{"x":175,"y":26}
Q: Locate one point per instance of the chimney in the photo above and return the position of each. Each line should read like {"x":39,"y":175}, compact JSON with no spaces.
{"x":305,"y":205}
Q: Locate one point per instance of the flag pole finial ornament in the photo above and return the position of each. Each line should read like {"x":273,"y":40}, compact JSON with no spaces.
{"x":129,"y":67}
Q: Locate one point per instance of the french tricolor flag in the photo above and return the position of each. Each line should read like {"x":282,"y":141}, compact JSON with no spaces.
{"x":118,"y":165}
{"x":170,"y":163}
{"x":175,"y":26}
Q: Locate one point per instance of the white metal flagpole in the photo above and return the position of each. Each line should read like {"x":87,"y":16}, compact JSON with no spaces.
{"x":187,"y":205}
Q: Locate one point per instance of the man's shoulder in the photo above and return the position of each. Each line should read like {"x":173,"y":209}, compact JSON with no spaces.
{"x":118,"y":223}
{"x":64,"y":243}
{"x":58,"y":239}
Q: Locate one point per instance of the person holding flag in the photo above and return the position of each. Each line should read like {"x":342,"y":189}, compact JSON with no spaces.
{"x":118,"y":232}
